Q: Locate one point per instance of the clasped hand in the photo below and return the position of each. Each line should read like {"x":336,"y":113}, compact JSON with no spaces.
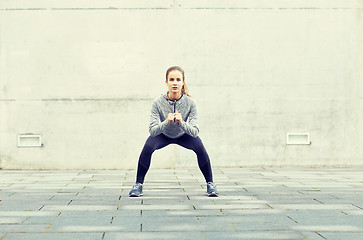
{"x":177,"y":116}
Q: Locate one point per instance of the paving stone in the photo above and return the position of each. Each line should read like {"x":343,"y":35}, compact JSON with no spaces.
{"x":10,"y":219}
{"x":260,"y":227}
{"x":254,"y":235}
{"x":245,"y":219}
{"x":21,"y":213}
{"x":89,"y":228}
{"x":16,"y":228}
{"x":182,"y":235}
{"x":345,"y":235}
{"x":156,"y":207}
{"x":53,"y":236}
{"x":182,"y":213}
{"x":327,"y":228}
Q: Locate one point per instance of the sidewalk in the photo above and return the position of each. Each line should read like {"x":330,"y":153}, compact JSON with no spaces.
{"x":254,"y":203}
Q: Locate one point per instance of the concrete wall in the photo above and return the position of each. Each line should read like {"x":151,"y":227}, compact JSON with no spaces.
{"x":83,"y":75}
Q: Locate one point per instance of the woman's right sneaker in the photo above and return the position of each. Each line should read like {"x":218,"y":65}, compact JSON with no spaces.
{"x":136,"y":190}
{"x":212,"y":190}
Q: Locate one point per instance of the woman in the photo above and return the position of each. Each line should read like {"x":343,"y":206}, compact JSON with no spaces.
{"x":174,"y":120}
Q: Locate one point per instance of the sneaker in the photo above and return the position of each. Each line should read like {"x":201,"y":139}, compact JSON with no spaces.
{"x":212,"y":190}
{"x":136,"y":190}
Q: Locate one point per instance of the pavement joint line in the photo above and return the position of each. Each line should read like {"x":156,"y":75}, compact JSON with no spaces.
{"x":188,"y":197}
{"x":203,"y":236}
{"x":222,"y":212}
{"x":60,"y":213}
{"x":119,"y":198}
{"x":41,"y":207}
{"x":118,"y":206}
{"x":268,"y":205}
{"x":292,"y":219}
{"x":24,"y":220}
{"x":320,"y":235}
{"x":234,"y":227}
{"x":141,"y":227}
{"x":357,"y":206}
{"x":141,"y":213}
{"x":4,"y":236}
{"x":343,"y":212}
{"x":194,"y":207}
{"x":112,"y":219}
{"x":48,"y":228}
{"x":103,"y":235}
{"x":70,"y":202}
{"x":76,"y":194}
{"x":51,"y":198}
{"x":318,"y":201}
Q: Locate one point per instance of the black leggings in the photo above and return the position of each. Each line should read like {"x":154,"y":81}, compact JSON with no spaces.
{"x":160,"y":141}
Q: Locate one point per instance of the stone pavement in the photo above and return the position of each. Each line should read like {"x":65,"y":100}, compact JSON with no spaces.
{"x":254,"y":203}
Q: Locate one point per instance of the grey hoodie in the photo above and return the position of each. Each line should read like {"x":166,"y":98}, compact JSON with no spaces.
{"x":160,"y":110}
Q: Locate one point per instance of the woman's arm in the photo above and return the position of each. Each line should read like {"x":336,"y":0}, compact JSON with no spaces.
{"x":191,"y":127}
{"x":156,"y":127}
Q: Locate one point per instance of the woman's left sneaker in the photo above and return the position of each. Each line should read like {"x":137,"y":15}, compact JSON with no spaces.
{"x":212,"y":190}
{"x":136,"y":190}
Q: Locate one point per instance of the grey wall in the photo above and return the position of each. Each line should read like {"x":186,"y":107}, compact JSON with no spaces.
{"x":83,"y":75}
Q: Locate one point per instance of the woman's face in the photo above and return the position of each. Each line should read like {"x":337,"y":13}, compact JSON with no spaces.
{"x":175,"y":82}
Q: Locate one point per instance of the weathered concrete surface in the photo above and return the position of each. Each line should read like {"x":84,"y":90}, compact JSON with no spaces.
{"x":83,"y":75}
{"x":254,"y":203}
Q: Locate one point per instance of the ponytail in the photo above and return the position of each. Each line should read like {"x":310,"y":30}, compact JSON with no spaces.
{"x":185,"y":89}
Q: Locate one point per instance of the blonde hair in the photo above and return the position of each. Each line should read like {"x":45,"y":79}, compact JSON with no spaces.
{"x":185,"y":89}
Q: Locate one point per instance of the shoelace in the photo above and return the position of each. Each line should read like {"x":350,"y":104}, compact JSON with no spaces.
{"x":136,"y":186}
{"x":211,"y":185}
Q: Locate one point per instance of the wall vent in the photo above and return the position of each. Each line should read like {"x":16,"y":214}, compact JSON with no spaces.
{"x":298,"y":139}
{"x":30,"y":140}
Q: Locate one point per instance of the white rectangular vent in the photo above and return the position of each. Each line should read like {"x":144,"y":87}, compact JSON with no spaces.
{"x":298,"y":138}
{"x":29,"y":140}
